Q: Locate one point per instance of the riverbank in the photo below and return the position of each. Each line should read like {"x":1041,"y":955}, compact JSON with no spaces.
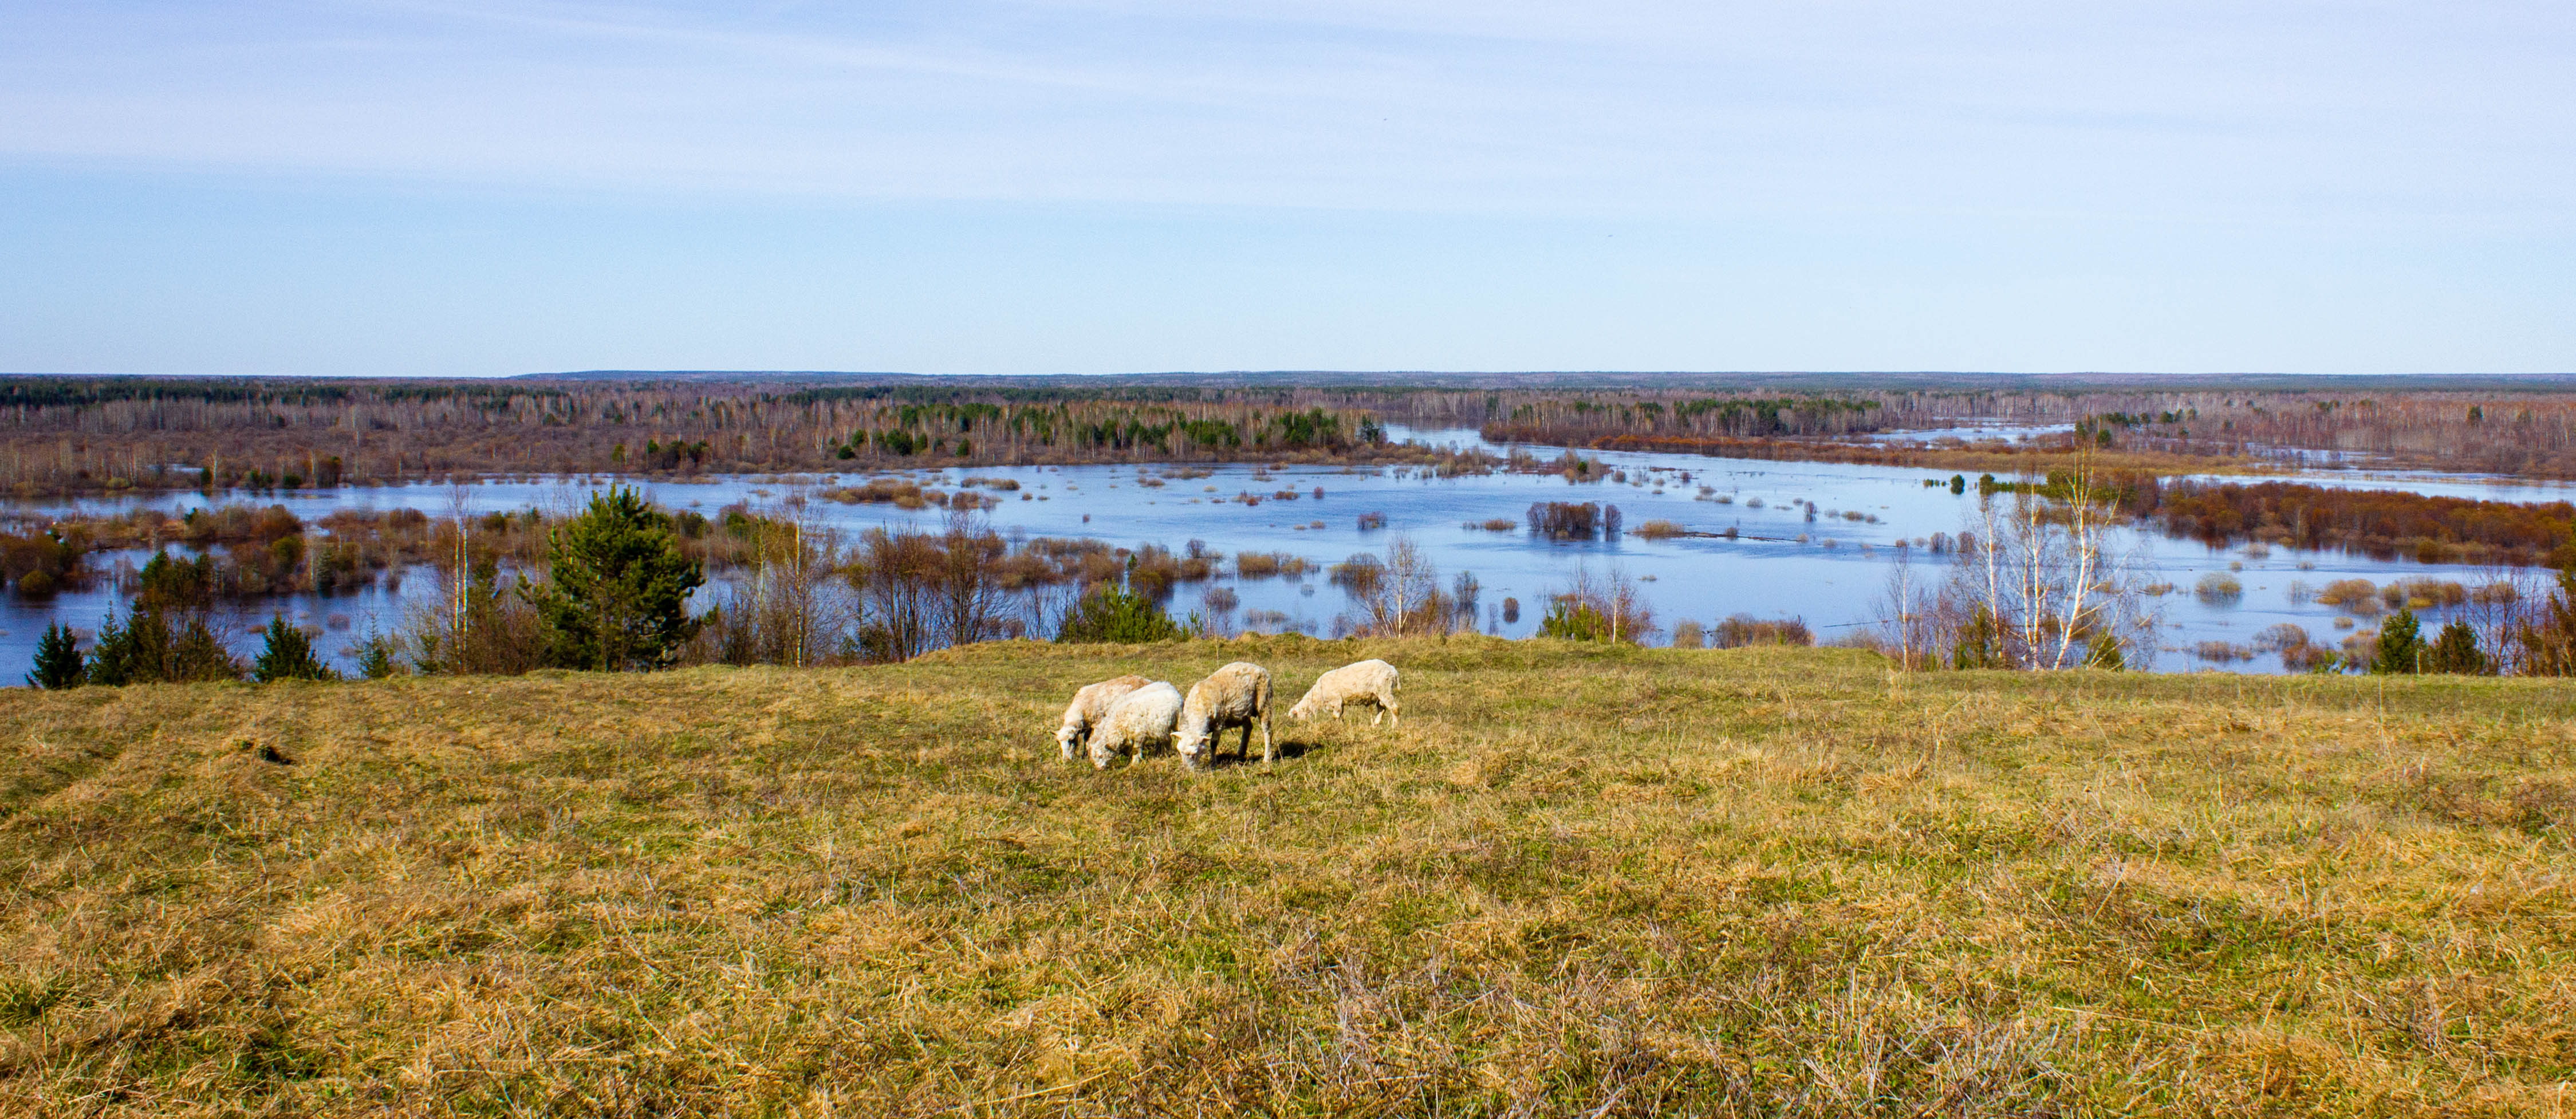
{"x":1577,"y":879}
{"x":1997,"y":457}
{"x":1813,"y":542}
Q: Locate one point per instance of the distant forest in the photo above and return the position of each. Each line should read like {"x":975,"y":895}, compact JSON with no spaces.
{"x":90,"y":434}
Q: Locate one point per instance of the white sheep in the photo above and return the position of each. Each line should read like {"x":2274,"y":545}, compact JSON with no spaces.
{"x":1089,"y":706}
{"x":1370,"y":682}
{"x":1237,"y":695}
{"x":1138,"y":722}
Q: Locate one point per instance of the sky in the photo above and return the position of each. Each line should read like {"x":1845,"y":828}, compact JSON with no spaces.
{"x":474,"y":188}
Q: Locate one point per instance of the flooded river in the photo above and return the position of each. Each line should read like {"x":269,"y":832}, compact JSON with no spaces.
{"x":1834,"y":579}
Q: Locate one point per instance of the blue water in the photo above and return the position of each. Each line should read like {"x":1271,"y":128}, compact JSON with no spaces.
{"x":1835,"y":580}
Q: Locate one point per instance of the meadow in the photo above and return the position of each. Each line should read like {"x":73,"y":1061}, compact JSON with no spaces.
{"x":1578,"y":880}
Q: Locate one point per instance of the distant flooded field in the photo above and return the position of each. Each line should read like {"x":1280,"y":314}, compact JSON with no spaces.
{"x":1811,"y":541}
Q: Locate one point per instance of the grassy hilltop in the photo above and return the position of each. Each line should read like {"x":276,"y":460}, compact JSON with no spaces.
{"x":1578,"y":880}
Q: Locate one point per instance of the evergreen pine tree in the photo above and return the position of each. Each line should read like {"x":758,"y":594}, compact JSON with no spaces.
{"x":197,"y":653}
{"x":1570,"y":619}
{"x":2103,"y":651}
{"x":1113,"y":613}
{"x":1981,"y":642}
{"x":2401,"y":645}
{"x":2455,"y":649}
{"x":149,"y":649}
{"x":58,"y":660}
{"x":288,"y":655}
{"x":375,"y":656}
{"x":618,"y":597}
{"x":111,"y":657}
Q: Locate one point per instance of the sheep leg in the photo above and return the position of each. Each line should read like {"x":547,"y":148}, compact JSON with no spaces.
{"x":1269,"y":753}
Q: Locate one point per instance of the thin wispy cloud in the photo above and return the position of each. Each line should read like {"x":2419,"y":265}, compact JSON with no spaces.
{"x":2155,"y":110}
{"x":1100,"y":185}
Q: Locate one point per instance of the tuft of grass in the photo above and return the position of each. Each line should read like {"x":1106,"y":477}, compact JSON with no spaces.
{"x":1577,"y":879}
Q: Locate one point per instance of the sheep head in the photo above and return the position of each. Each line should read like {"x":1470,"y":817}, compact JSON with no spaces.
{"x":1191,"y":742}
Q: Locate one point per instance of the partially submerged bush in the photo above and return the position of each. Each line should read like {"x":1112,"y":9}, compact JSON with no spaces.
{"x":2423,"y":594}
{"x":1741,"y":630}
{"x":1570,"y":520}
{"x":2360,"y":596}
{"x":2281,"y":638}
{"x":1268,"y":565}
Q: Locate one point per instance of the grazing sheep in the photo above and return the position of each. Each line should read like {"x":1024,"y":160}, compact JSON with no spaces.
{"x":1369,"y":682}
{"x":1089,"y":706}
{"x":1237,"y":695}
{"x":1139,"y":721}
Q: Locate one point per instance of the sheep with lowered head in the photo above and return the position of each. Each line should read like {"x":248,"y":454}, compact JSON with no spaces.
{"x":1140,"y":721}
{"x":1371,"y":682}
{"x":1237,"y":695}
{"x":1089,"y":706}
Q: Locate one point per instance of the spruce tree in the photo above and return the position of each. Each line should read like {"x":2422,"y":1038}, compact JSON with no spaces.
{"x":150,"y":649}
{"x":58,"y":660}
{"x":1570,"y":619}
{"x":1981,"y":643}
{"x":375,"y":656}
{"x":1113,"y":613}
{"x":111,"y":657}
{"x":2103,"y":651}
{"x":198,"y":653}
{"x":618,"y":597}
{"x":2456,"y":650}
{"x":288,"y":655}
{"x":2401,"y":645}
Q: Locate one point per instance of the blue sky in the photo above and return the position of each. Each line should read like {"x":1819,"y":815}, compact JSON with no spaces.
{"x":474,"y":188}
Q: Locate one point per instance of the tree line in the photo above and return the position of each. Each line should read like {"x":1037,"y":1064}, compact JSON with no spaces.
{"x":108,"y":434}
{"x":86,"y":435}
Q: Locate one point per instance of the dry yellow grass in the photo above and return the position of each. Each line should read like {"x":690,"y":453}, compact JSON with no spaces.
{"x":1578,"y":880}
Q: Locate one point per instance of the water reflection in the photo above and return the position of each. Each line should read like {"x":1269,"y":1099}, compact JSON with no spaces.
{"x":1813,"y":540}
